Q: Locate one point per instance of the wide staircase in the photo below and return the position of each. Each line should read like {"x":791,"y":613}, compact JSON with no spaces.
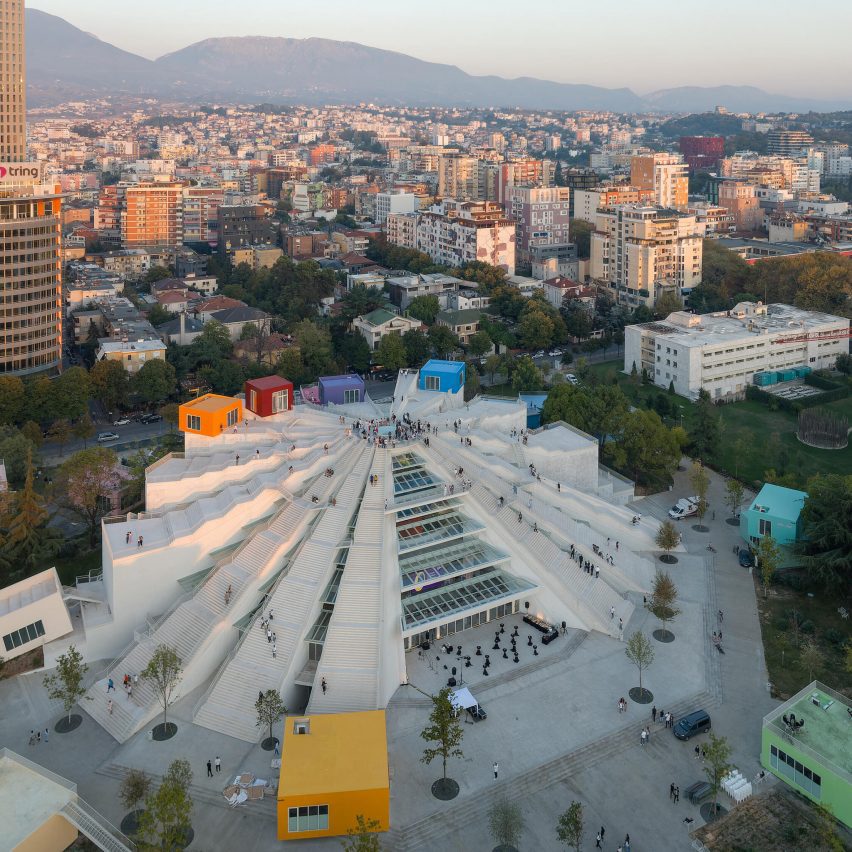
{"x":228,"y":705}
{"x":91,"y":824}
{"x":594,"y":596}
{"x":351,"y":657}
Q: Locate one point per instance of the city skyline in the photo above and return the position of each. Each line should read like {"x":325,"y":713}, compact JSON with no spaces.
{"x":649,"y":45}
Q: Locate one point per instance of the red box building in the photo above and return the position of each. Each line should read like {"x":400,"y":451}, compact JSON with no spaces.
{"x":269,"y":395}
{"x":702,"y":153}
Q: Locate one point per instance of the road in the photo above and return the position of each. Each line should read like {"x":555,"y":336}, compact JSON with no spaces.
{"x":129,"y":436}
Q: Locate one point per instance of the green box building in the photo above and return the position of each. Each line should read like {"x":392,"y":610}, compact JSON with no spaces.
{"x":807,"y":743}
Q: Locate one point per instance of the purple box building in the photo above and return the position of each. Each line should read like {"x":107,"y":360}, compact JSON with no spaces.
{"x":340,"y":390}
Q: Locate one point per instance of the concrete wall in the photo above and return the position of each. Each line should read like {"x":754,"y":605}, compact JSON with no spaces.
{"x":53,"y":835}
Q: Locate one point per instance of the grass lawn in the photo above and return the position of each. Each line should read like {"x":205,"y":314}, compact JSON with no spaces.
{"x":820,"y":623}
{"x":748,"y":448}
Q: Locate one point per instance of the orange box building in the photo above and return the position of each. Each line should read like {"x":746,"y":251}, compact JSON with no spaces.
{"x":334,"y":766}
{"x":210,"y":415}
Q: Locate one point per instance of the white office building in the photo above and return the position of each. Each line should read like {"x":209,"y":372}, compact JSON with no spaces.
{"x":722,"y":352}
{"x":394,"y":202}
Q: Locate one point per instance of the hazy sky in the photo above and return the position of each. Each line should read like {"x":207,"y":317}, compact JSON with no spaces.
{"x":782,"y":46}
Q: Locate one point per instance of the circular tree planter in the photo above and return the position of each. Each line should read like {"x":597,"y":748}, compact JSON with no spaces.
{"x":130,"y":823}
{"x":65,"y":725}
{"x":711,"y":814}
{"x":734,"y":522}
{"x":668,"y":559}
{"x":663,"y":635}
{"x":268,"y":743}
{"x":445,"y":789}
{"x":641,"y":696}
{"x":163,"y":731}
{"x":702,"y":528}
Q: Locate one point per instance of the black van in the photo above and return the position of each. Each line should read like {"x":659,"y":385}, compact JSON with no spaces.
{"x":697,"y":722}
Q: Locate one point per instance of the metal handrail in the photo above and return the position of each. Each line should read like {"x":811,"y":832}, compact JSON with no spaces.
{"x":104,"y":824}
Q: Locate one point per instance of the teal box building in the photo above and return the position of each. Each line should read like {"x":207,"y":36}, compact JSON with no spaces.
{"x":776,"y":511}
{"x":807,"y":743}
{"x":444,"y":376}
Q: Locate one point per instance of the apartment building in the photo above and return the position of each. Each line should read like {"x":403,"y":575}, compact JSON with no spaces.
{"x":401,"y":229}
{"x":394,"y":202}
{"x":788,"y":143}
{"x":721,"y":352}
{"x":740,"y":199}
{"x":773,"y":171}
{"x":13,"y":85}
{"x":380,"y":323}
{"x":640,"y":252}
{"x":702,"y":153}
{"x":714,"y":218}
{"x":201,"y":214}
{"x":587,"y":202}
{"x":458,"y":177}
{"x":542,"y":218}
{"x":457,"y":232}
{"x":243,"y":225}
{"x":666,"y":174}
{"x":152,"y":215}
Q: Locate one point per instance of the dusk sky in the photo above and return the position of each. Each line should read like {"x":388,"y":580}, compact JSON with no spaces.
{"x":778,"y":45}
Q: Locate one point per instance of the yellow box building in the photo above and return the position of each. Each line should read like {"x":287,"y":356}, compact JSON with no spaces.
{"x":334,"y":766}
{"x":210,"y":415}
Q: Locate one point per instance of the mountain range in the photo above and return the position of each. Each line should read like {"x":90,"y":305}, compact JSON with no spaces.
{"x":65,"y":63}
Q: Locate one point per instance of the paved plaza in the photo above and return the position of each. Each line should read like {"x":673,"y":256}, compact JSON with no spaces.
{"x":553,"y":725}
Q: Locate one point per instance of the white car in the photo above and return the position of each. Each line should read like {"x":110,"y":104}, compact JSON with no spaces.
{"x":684,"y":508}
{"x":572,"y":378}
{"x":555,"y":353}
{"x":123,"y":421}
{"x":104,"y":437}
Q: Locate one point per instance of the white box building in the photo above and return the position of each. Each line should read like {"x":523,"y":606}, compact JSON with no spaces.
{"x":721,"y":352}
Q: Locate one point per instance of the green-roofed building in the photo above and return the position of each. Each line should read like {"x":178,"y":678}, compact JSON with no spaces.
{"x":380,"y":322}
{"x":463,"y":324}
{"x":807,"y":743}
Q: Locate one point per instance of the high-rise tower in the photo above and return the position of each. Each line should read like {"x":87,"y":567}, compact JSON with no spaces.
{"x":13,"y":96}
{"x":30,"y":224}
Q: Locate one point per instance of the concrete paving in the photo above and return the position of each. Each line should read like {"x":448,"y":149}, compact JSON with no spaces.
{"x":553,"y":726}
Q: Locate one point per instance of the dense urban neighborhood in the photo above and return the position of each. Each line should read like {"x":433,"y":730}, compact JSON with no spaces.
{"x":385,"y":470}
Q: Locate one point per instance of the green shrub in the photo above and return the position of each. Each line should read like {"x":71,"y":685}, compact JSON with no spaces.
{"x":834,"y":637}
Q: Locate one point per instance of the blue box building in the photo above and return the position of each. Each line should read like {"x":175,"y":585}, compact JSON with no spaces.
{"x":776,"y":511}
{"x":444,"y":376}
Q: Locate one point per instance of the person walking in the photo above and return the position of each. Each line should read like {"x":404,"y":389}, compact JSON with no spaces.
{"x":46,"y":735}
{"x":218,"y":763}
{"x":324,"y":686}
{"x":274,"y":650}
{"x":38,"y":736}
{"x":209,"y":769}
{"x":598,"y":839}
{"x":110,"y":685}
{"x":677,"y":795}
{"x":139,"y":541}
{"x":495,"y":768}
{"x":654,"y":714}
{"x":277,"y":747}
{"x":611,"y":613}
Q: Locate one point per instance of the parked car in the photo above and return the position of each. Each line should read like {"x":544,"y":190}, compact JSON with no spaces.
{"x":555,"y":353}
{"x":104,"y":437}
{"x":696,"y":722}
{"x":572,"y":378}
{"x":746,"y":558}
{"x":150,"y":418}
{"x":539,"y":354}
{"x":122,"y":421}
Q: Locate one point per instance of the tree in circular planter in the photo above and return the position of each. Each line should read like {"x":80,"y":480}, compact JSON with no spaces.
{"x":506,"y":823}
{"x":700,"y":482}
{"x":667,"y":539}
{"x":164,"y":671}
{"x":270,"y":708}
{"x":165,"y":822}
{"x":662,"y":604}
{"x":641,"y":654}
{"x":66,"y":685}
{"x":569,"y":829}
{"x":734,"y":492}
{"x":134,"y":789}
{"x":717,"y":753}
{"x":445,"y":730}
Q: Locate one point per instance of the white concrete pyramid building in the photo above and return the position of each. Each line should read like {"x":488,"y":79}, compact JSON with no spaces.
{"x":362,"y":544}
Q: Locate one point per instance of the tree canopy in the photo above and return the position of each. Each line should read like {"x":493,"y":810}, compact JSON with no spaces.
{"x":827,"y":531}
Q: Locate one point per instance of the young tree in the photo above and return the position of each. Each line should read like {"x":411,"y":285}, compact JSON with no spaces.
{"x":706,"y":431}
{"x":60,"y":433}
{"x":83,"y":429}
{"x":717,"y":765}
{"x":66,"y":683}
{"x":662,"y":600}
{"x":734,"y":495}
{"x":700,"y":482}
{"x":811,"y":658}
{"x":767,"y":557}
{"x":82,"y":482}
{"x":169,"y":412}
{"x":667,"y":538}
{"x":640,"y":653}
{"x":270,"y":708}
{"x":492,"y":366}
{"x":164,"y":670}
{"x":362,"y":836}
{"x":506,"y":822}
{"x":527,"y":377}
{"x":134,"y":788}
{"x":444,"y":729}
{"x":479,"y":344}
{"x":569,"y":829}
{"x":165,"y":822}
